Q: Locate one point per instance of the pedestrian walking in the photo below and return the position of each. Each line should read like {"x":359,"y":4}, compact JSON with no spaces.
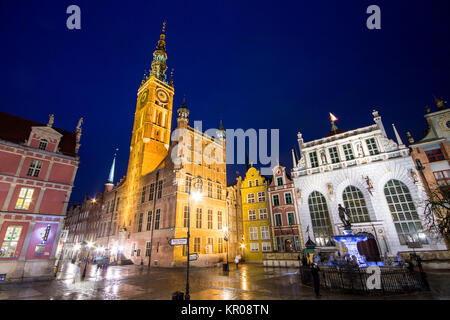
{"x":316,"y":278}
{"x":236,"y":261}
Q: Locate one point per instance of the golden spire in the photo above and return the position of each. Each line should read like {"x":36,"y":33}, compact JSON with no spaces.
{"x":440,"y":103}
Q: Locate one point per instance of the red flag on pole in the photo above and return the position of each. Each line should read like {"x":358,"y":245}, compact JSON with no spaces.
{"x":333,"y":118}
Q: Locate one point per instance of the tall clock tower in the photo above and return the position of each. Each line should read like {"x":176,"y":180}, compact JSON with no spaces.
{"x":152,"y":122}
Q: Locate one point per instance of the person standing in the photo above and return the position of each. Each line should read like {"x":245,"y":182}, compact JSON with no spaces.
{"x":236,"y":261}
{"x":316,"y":278}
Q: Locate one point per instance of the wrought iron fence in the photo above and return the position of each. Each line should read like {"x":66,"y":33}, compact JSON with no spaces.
{"x":355,"y":280}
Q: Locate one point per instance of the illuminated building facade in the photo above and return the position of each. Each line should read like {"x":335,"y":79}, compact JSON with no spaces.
{"x":38,"y":164}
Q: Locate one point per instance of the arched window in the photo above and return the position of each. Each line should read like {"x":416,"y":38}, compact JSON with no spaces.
{"x":320,"y":218}
{"x":355,"y":204}
{"x":404,"y":213}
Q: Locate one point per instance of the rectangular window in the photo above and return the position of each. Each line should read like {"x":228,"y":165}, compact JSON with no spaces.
{"x":144,"y":190}
{"x":220,"y":245}
{"x":279,"y":181}
{"x":43,"y":144}
{"x":219,"y":220}
{"x":266,"y":247}
{"x":151,"y":193}
{"x":112,"y":206}
{"x":291,"y":219}
{"x":256,"y":182}
{"x":10,"y":241}
{"x":147,"y":248}
{"x":276,"y":200}
{"x":185,"y":217}
{"x":210,"y":245}
{"x":149,"y":221}
{"x":334,"y":155}
{"x":197,"y":245}
{"x":251,"y":214}
{"x":261,"y":196}
{"x":198,"y":222}
{"x":138,"y":252}
{"x":141,"y":217}
{"x":288,"y":198}
{"x":265,"y":233}
{"x":160,"y":186}
{"x":24,"y":200}
{"x":442,"y":178}
{"x":278,"y":222}
{"x":117,"y":204}
{"x":249,"y":184}
{"x":313,"y":159}
{"x":35,"y":168}
{"x":209,"y":190}
{"x":219,"y":192}
{"x":435,"y":155}
{"x":372,"y":146}
{"x":210,"y":219}
{"x":348,"y":152}
{"x":157,"y":217}
{"x":188,"y":184}
{"x":251,"y":198}
{"x":263,"y":213}
{"x":254,"y":247}
{"x":253,"y":233}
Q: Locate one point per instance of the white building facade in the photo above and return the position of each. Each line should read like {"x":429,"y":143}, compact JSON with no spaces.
{"x":374,"y":178}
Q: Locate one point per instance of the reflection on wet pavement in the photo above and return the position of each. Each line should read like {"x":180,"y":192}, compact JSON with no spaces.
{"x":249,"y":282}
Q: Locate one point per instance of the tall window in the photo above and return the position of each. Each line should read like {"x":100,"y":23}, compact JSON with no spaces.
{"x":160,"y":186}
{"x":219,"y":220}
{"x":10,"y":241}
{"x":265,"y":233}
{"x":442,"y":178}
{"x":288,"y":198}
{"x":144,"y":189}
{"x":251,"y":214}
{"x":256,"y":182}
{"x":149,"y":221}
{"x":313,"y":159}
{"x":43,"y":144}
{"x":320,"y":218}
{"x":406,"y":220}
{"x":141,"y":217}
{"x":266,"y":247}
{"x":291,"y":219}
{"x":219,"y":191}
{"x":151,"y":192}
{"x":334,"y":155}
{"x":279,"y":181}
{"x":186,"y":217}
{"x":147,"y":248}
{"x":278,"y":222}
{"x":157,"y":218}
{"x":348,"y":152}
{"x":24,"y":200}
{"x":197,"y":245}
{"x":251,"y":198}
{"x":188,"y":184}
{"x":263,"y":213}
{"x":355,"y":204}
{"x":253,"y":233}
{"x":35,"y":168}
{"x":198,"y":222}
{"x":261,"y":196}
{"x":276,"y":200}
{"x":249,"y":183}
{"x":210,"y":219}
{"x":220,"y":245}
{"x":435,"y":155}
{"x":111,"y":208}
{"x":372,"y":146}
{"x":209,"y":190}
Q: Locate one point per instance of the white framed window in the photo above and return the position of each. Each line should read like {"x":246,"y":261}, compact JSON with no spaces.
{"x":266,"y":247}
{"x":265,"y":233}
{"x":24,"y":200}
{"x":249,"y":184}
{"x":276,"y":200}
{"x":313,"y":159}
{"x":288,"y":198}
{"x":253,"y":233}
{"x":254,"y":247}
{"x":251,"y":198}
{"x":261,"y":196}
{"x":334,"y":155}
{"x":263,"y":213}
{"x":279,"y":181}
{"x":348,"y":152}
{"x":35,"y":168}
{"x":372,"y":146}
{"x":9,"y":245}
{"x":251,"y":214}
{"x":43,"y":144}
{"x":256,"y":182}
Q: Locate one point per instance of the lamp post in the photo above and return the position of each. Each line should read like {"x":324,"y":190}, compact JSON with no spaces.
{"x":226,"y":238}
{"x":89,"y":246}
{"x":196,"y":196}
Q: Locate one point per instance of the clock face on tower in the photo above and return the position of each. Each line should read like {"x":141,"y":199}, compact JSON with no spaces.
{"x":162,"y":96}
{"x":144,"y":98}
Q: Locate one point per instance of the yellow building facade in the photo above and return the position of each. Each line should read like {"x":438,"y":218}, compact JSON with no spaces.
{"x":256,"y":217}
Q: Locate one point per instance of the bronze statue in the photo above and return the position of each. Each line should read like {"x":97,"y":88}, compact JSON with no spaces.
{"x":343,"y":215}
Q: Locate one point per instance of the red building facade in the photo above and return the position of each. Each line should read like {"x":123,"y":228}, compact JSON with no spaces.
{"x":38,"y":164}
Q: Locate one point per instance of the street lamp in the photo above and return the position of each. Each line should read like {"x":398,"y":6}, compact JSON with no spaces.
{"x":226,"y":238}
{"x":197,"y":195}
{"x":89,"y":246}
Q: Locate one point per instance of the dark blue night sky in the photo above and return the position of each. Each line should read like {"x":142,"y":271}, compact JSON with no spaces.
{"x":254,"y":64}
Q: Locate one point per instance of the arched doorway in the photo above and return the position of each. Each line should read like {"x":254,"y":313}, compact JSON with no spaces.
{"x":369,"y":248}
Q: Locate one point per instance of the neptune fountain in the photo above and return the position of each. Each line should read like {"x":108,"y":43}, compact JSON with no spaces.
{"x":349,"y":239}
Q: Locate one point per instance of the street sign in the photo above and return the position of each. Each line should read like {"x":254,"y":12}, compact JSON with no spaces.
{"x":178,"y":241}
{"x":193,"y":257}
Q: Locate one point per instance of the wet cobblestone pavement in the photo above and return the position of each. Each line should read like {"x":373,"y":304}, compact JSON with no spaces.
{"x":249,"y":282}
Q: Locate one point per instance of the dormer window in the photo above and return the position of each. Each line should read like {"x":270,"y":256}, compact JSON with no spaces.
{"x":279,"y":181}
{"x":43,"y":144}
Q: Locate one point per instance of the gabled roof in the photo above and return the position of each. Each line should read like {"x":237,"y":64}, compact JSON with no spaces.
{"x":17,"y":130}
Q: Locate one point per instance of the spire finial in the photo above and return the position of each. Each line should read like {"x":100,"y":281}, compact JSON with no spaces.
{"x":111,"y":171}
{"x":410,"y":138}
{"x":397,"y":136}
{"x":171,"y":77}
{"x":333,"y":119}
{"x":440,"y":103}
